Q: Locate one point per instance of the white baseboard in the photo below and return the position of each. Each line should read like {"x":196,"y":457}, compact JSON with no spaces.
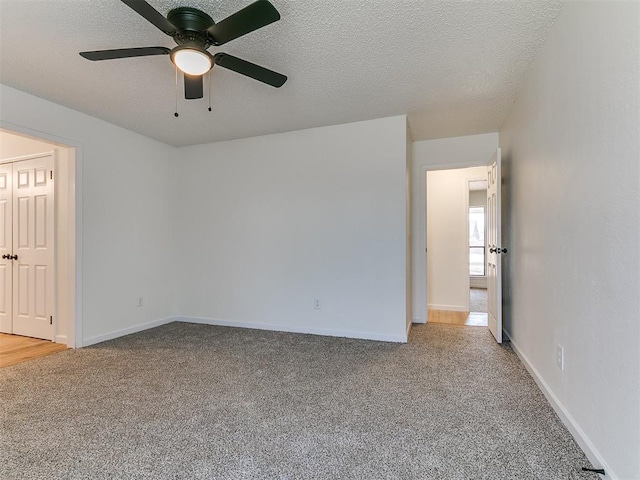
{"x":574,"y":429}
{"x":61,"y":339}
{"x":450,"y":308}
{"x":408,"y":330}
{"x":419,"y":320}
{"x":295,"y":329}
{"x":126,"y":331}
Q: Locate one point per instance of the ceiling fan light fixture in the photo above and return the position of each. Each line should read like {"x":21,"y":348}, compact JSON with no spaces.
{"x":194,"y":31}
{"x":191,"y":60}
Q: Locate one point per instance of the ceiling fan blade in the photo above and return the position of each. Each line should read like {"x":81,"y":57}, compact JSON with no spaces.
{"x":125,"y":53}
{"x":193,"y":87}
{"x":250,"y":18}
{"x":249,"y":69}
{"x":152,"y":15}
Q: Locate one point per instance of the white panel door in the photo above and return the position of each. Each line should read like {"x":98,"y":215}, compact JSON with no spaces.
{"x":494,"y":250}
{"x":33,"y":247}
{"x":6,"y":247}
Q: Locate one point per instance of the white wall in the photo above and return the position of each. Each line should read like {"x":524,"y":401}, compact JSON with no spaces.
{"x":324,"y":216}
{"x":271,"y":223}
{"x":478,"y":198}
{"x":571,"y":155}
{"x":445,"y":153}
{"x":125,"y":238}
{"x":448,"y":237}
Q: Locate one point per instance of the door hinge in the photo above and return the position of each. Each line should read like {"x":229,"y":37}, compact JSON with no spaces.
{"x":51,"y":320}
{"x":51,"y":174}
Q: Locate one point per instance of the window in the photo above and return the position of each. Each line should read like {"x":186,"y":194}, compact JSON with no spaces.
{"x":476,"y":242}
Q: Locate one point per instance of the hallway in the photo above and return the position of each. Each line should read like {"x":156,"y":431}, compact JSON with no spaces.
{"x":475,"y":317}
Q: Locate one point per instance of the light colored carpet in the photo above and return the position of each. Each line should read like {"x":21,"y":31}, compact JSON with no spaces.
{"x":186,"y":401}
{"x":478,"y":300}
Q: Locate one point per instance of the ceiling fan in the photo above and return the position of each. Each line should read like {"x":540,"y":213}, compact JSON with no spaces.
{"x":194,"y":31}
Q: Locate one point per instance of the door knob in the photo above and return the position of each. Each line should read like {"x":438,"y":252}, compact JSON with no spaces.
{"x":493,"y":250}
{"x":6,"y":256}
{"x":502,"y":250}
{"x":14,"y":257}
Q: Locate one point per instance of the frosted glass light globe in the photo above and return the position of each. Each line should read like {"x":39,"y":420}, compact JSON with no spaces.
{"x":192,"y":62}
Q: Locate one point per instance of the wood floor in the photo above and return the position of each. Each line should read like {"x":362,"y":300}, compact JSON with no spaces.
{"x":16,"y":349}
{"x":472,"y":319}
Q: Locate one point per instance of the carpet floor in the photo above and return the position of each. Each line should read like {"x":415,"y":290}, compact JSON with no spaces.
{"x":186,"y":401}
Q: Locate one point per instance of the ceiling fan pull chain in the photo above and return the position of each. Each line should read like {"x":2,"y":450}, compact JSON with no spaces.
{"x":176,"y":114}
{"x":210,"y":89}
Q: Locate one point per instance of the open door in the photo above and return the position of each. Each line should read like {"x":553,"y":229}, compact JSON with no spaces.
{"x":494,"y":248}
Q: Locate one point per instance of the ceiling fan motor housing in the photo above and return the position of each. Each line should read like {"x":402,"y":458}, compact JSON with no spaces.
{"x":193,"y":24}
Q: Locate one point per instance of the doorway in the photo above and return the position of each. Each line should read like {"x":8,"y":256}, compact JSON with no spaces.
{"x":27,"y":197}
{"x":455,"y":245}
{"x":38,"y":238}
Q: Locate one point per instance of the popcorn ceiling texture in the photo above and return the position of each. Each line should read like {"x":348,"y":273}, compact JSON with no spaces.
{"x":454,"y":67}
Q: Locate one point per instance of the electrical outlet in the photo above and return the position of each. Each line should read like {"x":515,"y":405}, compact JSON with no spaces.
{"x":140,"y":301}
{"x":560,"y":357}
{"x":316,"y":304}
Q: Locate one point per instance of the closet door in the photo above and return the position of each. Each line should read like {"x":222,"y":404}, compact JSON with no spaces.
{"x":33,"y":247}
{"x":6,"y":246}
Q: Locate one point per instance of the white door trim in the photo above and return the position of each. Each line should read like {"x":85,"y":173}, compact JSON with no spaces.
{"x":74,"y":237}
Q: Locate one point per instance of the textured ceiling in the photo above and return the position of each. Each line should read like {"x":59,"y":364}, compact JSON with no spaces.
{"x":454,"y":67}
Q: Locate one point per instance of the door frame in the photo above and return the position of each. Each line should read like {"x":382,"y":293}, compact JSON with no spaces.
{"x":73,"y":278}
{"x":420,"y":260}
